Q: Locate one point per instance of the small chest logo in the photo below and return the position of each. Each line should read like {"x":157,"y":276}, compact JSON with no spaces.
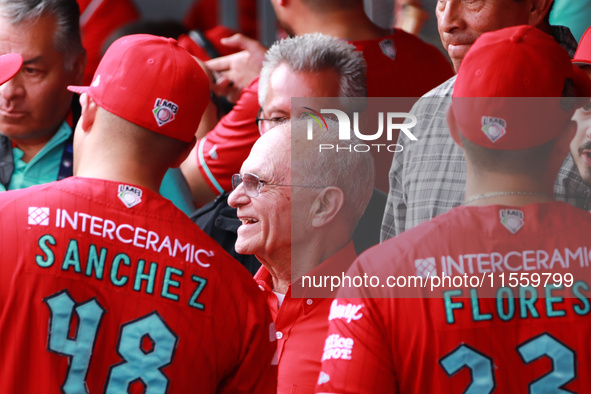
{"x":493,"y":128}
{"x":164,"y":111}
{"x":388,"y":48}
{"x":512,"y":219}
{"x":129,"y":195}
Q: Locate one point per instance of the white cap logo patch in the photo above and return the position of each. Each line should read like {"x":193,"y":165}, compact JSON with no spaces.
{"x":38,"y":216}
{"x":512,"y":219}
{"x":493,"y":128}
{"x":164,"y":111}
{"x":130,"y":195}
{"x":388,"y":48}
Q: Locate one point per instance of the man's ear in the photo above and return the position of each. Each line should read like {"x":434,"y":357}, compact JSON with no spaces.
{"x":184,"y":154}
{"x":88,"y":114}
{"x":538,"y":11}
{"x":326,"y":206}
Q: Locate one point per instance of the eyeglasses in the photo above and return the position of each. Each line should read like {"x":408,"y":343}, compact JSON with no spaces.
{"x":265,"y":125}
{"x":252,"y":184}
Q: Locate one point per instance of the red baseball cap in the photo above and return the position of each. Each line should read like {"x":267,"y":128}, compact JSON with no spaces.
{"x":9,"y":66}
{"x":583,"y":53}
{"x":515,"y":89}
{"x":152,"y":82}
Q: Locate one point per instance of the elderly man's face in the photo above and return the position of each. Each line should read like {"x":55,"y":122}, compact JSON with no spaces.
{"x":461,"y":22}
{"x":580,"y":147}
{"x":35,"y":102}
{"x":266,"y":219}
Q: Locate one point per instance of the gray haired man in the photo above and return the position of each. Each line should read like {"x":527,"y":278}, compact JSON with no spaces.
{"x":298,"y":208}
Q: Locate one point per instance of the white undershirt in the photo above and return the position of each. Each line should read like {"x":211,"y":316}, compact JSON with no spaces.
{"x":280,"y":298}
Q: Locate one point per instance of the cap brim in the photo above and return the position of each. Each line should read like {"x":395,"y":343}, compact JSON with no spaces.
{"x":10,"y":64}
{"x":78,"y":89}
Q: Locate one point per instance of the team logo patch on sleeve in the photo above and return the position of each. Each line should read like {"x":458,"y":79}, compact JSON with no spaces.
{"x":130,"y":195}
{"x":164,"y":111}
{"x":213,"y":153}
{"x":39,"y":216}
{"x":493,"y":128}
{"x":388,"y":48}
{"x":512,"y":219}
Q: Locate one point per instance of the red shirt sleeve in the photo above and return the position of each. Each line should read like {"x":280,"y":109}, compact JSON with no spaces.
{"x":221,"y":152}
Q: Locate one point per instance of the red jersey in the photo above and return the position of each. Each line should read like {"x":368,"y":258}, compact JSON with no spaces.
{"x":105,"y":286}
{"x":301,"y":325}
{"x":524,"y":338}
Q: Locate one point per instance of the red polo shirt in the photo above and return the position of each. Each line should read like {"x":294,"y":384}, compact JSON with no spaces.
{"x":301,"y":325}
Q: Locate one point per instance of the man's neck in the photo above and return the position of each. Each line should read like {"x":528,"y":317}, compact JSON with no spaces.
{"x":279,"y":268}
{"x":303,"y":257}
{"x":116,"y":176}
{"x":513,"y":198}
{"x":119,"y":169}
